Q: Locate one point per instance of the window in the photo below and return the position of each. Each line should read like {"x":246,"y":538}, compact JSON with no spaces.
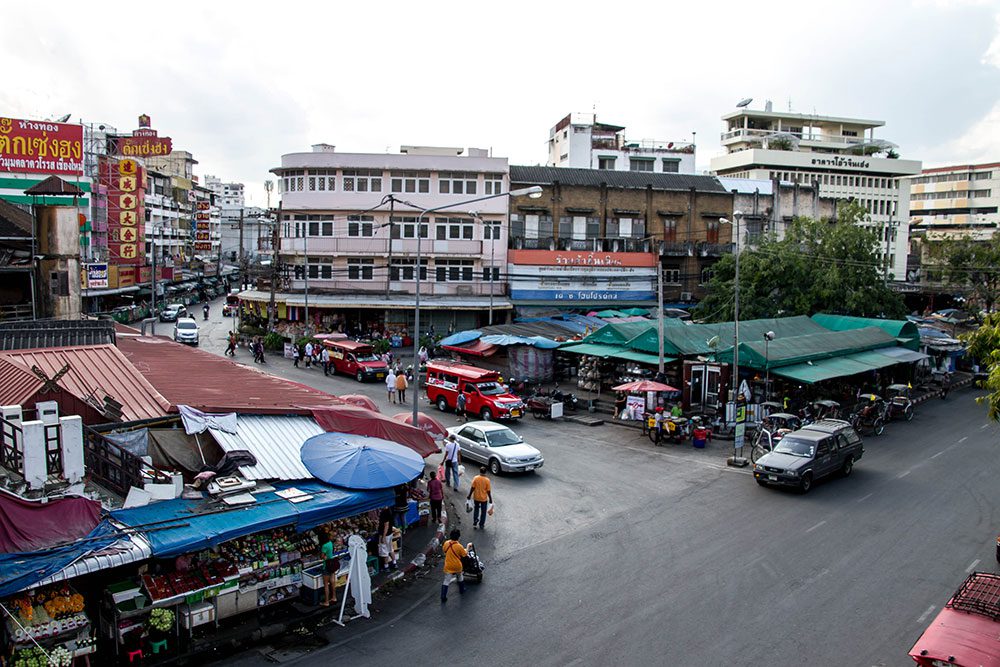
{"x":672,"y":275}
{"x":362,"y":180}
{"x":360,"y":225}
{"x":404,"y":269}
{"x":405,"y":227}
{"x":850,"y":133}
{"x":293,"y":180}
{"x":671,"y":165}
{"x":454,"y":228}
{"x":454,"y":270}
{"x":491,"y":273}
{"x":410,"y":181}
{"x":706,"y":275}
{"x":493,"y":184}
{"x":640,"y":164}
{"x":360,"y":269}
{"x":517,"y":225}
{"x":606,"y":162}
{"x":457,"y":183}
{"x":322,"y":179}
{"x":712,"y":231}
{"x":670,"y":229}
{"x":491,"y":230}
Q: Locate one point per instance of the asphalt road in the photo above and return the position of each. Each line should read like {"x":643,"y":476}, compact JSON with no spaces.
{"x":619,"y":552}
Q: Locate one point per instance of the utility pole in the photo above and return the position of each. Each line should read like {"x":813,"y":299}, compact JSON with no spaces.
{"x":888,"y":236}
{"x":305,"y":254}
{"x":272,"y":310}
{"x":494,"y":230}
{"x":243,"y":263}
{"x":659,"y":313}
{"x":388,"y":274}
{"x":152,"y":283}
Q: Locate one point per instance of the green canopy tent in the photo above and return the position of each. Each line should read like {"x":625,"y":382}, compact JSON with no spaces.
{"x":903,"y":330}
{"x":810,"y":348}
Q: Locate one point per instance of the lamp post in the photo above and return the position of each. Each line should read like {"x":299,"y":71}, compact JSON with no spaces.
{"x":534,"y":192}
{"x":494,"y":227}
{"x":736,"y":460}
{"x":768,"y":337}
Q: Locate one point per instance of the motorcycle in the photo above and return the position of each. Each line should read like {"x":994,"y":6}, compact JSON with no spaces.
{"x":674,"y":429}
{"x":570,"y":401}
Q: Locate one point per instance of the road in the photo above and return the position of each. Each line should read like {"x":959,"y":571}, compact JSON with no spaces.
{"x":619,"y":552}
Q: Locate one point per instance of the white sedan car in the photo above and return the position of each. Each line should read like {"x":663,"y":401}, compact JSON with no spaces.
{"x":496,"y":446}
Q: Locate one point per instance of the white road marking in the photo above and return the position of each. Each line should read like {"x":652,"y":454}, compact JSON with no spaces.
{"x":923,"y":616}
{"x":809,"y":530}
{"x":963,"y":439}
{"x":864,"y":498}
{"x":903,"y":474}
{"x":938,"y":454}
{"x":717,"y":466}
{"x":983,"y":426}
{"x":972,"y":567}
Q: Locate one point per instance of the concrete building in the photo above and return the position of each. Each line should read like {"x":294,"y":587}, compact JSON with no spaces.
{"x":841,"y":157}
{"x":607,"y":231}
{"x":769,"y":206}
{"x":348,"y":232}
{"x":579,"y":141}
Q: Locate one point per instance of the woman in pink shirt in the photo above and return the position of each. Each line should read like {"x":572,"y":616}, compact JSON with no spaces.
{"x":436,"y":493}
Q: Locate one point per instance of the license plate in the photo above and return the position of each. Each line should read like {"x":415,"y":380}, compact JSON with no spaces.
{"x":380,"y":375}
{"x":515,"y":413}
{"x":529,"y":467}
{"x":773,"y":478}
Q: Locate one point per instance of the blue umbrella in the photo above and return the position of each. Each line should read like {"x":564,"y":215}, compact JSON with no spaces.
{"x":359,"y":461}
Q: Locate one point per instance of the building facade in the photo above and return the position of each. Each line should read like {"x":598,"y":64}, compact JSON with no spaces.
{"x":613,"y":221}
{"x":348,"y":236}
{"x":579,"y":141}
{"x":768,"y":207}
{"x":839,"y":156}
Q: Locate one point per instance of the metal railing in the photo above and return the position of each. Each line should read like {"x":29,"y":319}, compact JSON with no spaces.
{"x":114,"y":468}
{"x":746,"y":133}
{"x":11,"y":446}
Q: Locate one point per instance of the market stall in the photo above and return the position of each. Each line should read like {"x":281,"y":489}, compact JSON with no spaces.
{"x":49,"y":621}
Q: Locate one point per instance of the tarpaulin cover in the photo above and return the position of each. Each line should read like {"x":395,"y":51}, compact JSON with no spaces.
{"x":27,"y":525}
{"x":529,"y":364}
{"x":800,"y":349}
{"x":619,"y":333}
{"x":507,"y":339}
{"x":180,"y":526}
{"x":477,"y":348}
{"x":350,"y":419}
{"x":24,"y":570}
{"x":460,"y":338}
{"x":903,"y":329}
{"x":694,"y":339}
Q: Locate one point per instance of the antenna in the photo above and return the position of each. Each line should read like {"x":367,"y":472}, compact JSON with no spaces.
{"x":745,"y":102}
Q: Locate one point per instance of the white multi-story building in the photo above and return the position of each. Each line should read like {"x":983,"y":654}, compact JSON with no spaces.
{"x":348,"y":233}
{"x":579,"y":141}
{"x":840,"y":156}
{"x":955,"y":202}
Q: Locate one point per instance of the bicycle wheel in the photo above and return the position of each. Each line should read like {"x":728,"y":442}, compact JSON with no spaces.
{"x":654,"y":436}
{"x":756,"y":452}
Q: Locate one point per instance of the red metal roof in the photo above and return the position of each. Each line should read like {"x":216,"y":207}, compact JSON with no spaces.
{"x":95,"y":371}
{"x":188,"y":376}
{"x":17,"y":385}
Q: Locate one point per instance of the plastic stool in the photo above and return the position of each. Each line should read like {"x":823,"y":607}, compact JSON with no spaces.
{"x":158,"y":646}
{"x":133,"y":654}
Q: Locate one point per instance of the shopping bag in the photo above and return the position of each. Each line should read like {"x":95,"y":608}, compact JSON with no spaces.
{"x":441,"y":471}
{"x":489,"y":510}
{"x":461,"y":470}
{"x":468,"y":504}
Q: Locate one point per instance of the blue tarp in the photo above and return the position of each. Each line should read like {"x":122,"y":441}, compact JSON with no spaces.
{"x":506,"y":339}
{"x":174,"y":527}
{"x":461,"y":337}
{"x":23,"y":570}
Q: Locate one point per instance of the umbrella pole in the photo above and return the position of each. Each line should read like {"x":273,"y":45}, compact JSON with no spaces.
{"x":343,"y":598}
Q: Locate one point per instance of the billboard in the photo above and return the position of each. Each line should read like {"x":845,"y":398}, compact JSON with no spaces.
{"x":575,"y":277}
{"x":144,"y":142}
{"x":97,"y":276}
{"x":125,"y":183}
{"x":41,"y":147}
{"x":575,"y":258}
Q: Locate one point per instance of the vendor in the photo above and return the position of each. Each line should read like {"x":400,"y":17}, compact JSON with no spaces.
{"x":676,"y":411}
{"x":620,"y":405}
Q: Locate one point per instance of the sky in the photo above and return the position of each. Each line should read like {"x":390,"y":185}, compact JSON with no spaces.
{"x":238,"y":84}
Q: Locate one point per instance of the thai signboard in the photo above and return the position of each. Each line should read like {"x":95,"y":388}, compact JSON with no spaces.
{"x":575,"y":277}
{"x":97,"y":276}
{"x":41,"y":147}
{"x":144,"y":142}
{"x":575,"y":258}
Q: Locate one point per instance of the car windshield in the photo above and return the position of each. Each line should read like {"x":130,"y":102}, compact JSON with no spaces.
{"x":490,"y":389}
{"x":187,"y":325}
{"x":502,"y":437}
{"x":367,"y":357}
{"x":795,"y":447}
{"x":173,"y":309}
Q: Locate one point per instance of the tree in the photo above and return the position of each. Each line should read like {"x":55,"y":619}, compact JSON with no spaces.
{"x":975,"y":266}
{"x":817,"y":267}
{"x":984,"y":346}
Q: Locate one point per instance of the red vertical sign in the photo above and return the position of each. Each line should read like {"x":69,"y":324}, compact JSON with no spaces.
{"x":125,"y":182}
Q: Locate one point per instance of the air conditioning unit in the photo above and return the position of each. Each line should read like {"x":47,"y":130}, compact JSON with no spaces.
{"x":687,"y":296}
{"x":463,"y":290}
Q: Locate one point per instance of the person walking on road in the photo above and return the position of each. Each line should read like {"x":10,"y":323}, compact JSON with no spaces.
{"x":390,"y":386}
{"x":309,"y":354}
{"x":452,"y":457}
{"x":481,"y":494}
{"x":436,"y":494}
{"x":296,"y":354}
{"x":460,"y":407}
{"x":401,"y":385}
{"x":454,"y":552}
{"x":231,"y":344}
{"x":324,"y":357}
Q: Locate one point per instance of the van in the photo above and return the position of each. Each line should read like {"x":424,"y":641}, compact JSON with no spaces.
{"x":484,"y":395}
{"x":358,"y":359}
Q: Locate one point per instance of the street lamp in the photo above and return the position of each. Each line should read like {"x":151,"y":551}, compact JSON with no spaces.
{"x":534,"y":192}
{"x":768,"y":337}
{"x":494,"y":227}
{"x":740,"y":424}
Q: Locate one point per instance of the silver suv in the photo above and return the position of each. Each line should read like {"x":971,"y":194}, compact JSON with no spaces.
{"x":827,"y":447}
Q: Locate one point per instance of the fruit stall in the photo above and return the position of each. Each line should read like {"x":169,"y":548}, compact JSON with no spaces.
{"x":51,"y":620}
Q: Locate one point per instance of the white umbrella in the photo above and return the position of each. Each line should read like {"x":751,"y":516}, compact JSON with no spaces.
{"x":358,"y":580}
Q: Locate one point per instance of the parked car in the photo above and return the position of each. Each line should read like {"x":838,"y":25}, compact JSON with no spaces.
{"x":496,"y":446}
{"x":485,"y":394}
{"x":173,"y":312}
{"x":186,"y":331}
{"x":801,"y":457}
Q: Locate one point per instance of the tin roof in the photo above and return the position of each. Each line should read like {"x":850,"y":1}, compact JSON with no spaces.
{"x":628,"y":180}
{"x":95,"y":371}
{"x":274,"y":440}
{"x":214,"y":384}
{"x":36,"y":334}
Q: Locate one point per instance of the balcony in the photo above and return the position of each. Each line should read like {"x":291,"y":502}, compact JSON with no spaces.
{"x":428,"y":287}
{"x":367,"y":246}
{"x":616,"y":244}
{"x":714,"y":249}
{"x":759,"y":136}
{"x":676,"y":248}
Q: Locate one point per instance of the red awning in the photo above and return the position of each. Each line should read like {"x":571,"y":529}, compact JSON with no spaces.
{"x":476,"y":348}
{"x":27,"y":525}
{"x":359,"y":421}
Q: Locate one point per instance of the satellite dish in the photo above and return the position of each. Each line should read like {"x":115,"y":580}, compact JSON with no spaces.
{"x":745,"y":102}
{"x":64,"y":118}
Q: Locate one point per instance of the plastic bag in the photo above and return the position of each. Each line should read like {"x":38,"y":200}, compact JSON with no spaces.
{"x":489,"y":510}
{"x":441,"y":471}
{"x":468,"y":504}
{"x":461,"y":470}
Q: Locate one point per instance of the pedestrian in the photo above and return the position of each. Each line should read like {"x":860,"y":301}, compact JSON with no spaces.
{"x":401,"y":385}
{"x":260,"y":350}
{"x":481,"y":494}
{"x":324,"y":357}
{"x":452,"y":458}
{"x":454,"y":552}
{"x":460,"y":407}
{"x":422,"y":354}
{"x":676,"y":411}
{"x":331,"y":566}
{"x":296,"y":354}
{"x":390,"y":386}
{"x":309,"y":353}
{"x":385,"y":551}
{"x":436,"y":494}
{"x":231,"y":344}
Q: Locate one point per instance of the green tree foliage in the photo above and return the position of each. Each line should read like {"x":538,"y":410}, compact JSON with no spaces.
{"x":984,"y":346}
{"x":817,"y":267}
{"x":975,"y":266}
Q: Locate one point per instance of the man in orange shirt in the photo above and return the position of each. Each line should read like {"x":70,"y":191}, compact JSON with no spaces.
{"x":454,"y":552}
{"x":482,"y":495}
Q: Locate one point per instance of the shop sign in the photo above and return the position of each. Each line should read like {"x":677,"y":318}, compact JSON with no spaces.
{"x":41,"y":147}
{"x":581,"y":283}
{"x":125,"y":183}
{"x":144,"y":142}
{"x":97,"y":276}
{"x":126,"y":276}
{"x":204,"y":206}
{"x":580,"y":259}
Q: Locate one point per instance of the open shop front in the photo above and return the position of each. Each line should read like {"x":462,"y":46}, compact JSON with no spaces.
{"x":599,"y":367}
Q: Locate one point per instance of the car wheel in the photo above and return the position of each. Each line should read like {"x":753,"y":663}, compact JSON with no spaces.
{"x":495,"y":467}
{"x":761,"y":482}
{"x":908,"y":413}
{"x":878,"y":428}
{"x":442,"y":404}
{"x":848,"y":466}
{"x":486,"y":415}
{"x":360,"y":377}
{"x":806,"y":483}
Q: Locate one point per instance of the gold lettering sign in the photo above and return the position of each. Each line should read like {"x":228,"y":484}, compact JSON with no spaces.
{"x":127,"y":234}
{"x":127,"y":202}
{"x":127,"y":250}
{"x":127,"y":183}
{"x":127,"y":218}
{"x":128,"y":167}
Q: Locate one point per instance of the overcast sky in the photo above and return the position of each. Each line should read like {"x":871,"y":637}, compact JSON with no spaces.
{"x":239,"y":84}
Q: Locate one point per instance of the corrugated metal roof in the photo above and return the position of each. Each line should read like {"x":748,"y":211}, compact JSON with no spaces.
{"x":94,"y":372}
{"x":215,"y":384}
{"x":747,"y":186}
{"x":628,"y":180}
{"x":17,"y":385}
{"x":275,"y":441}
{"x":130,"y":549}
{"x":37,"y":334}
